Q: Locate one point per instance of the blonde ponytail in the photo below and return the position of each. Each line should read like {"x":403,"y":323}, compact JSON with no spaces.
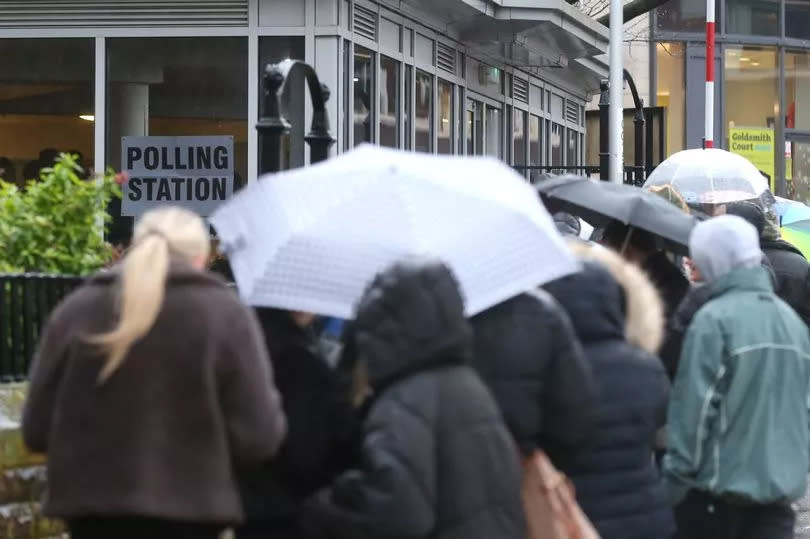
{"x":142,"y":283}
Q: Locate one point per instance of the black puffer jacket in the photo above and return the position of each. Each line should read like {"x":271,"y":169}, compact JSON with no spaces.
{"x":792,"y":275}
{"x":617,"y":484}
{"x":438,"y":461}
{"x":317,"y":446}
{"x":528,"y":354}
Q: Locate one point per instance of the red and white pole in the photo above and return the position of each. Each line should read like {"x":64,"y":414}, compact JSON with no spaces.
{"x":709,"y":120}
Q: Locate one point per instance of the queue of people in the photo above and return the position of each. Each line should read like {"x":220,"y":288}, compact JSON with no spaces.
{"x":162,"y":414}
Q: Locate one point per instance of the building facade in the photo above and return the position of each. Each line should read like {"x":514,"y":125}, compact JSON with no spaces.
{"x":507,"y":78}
{"x":762,"y":64}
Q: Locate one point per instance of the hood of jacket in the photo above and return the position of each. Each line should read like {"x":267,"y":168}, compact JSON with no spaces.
{"x":611,"y":299}
{"x":410,"y":318}
{"x":724,"y":244}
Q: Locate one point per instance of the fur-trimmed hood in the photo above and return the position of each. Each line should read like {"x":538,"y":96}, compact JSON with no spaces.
{"x":611,"y":298}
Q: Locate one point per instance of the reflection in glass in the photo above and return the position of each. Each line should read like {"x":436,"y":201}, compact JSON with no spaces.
{"x":752,"y":17}
{"x":479,"y":128}
{"x":347,"y":101}
{"x":797,"y":168}
{"x":46,"y":105}
{"x":423,"y":118}
{"x":408,"y":119}
{"x":470,"y":132}
{"x":201,"y":91}
{"x":389,"y":102}
{"x":572,"y":149}
{"x":535,"y":143}
{"x":752,"y":93}
{"x":363,"y":95}
{"x":494,"y":130}
{"x":797,"y":90}
{"x":519,"y":137}
{"x":671,"y":93}
{"x":556,"y":145}
{"x":797,"y":19}
{"x":444,"y":140}
{"x":684,"y":16}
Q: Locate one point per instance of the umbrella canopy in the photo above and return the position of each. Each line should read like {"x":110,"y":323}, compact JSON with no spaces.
{"x":711,"y":176}
{"x":311,"y":239}
{"x":601,"y":202}
{"x":795,"y":221}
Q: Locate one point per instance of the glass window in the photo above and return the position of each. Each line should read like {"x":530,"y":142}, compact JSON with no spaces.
{"x":797,"y":19}
{"x":797,"y":90}
{"x":46,"y":104}
{"x":572,"y":149}
{"x":363,"y":95}
{"x":752,"y":102}
{"x":444,"y":141}
{"x":347,"y":79}
{"x":494,"y":121}
{"x":470,"y":130}
{"x":273,"y":50}
{"x":460,"y":119}
{"x":408,"y":118}
{"x":684,"y":16}
{"x":556,"y":145}
{"x":389,"y":102}
{"x":177,"y":86}
{"x":535,"y":142}
{"x":519,"y":138}
{"x":671,"y":93}
{"x":423,"y":118}
{"x":752,"y":17}
{"x":479,"y":128}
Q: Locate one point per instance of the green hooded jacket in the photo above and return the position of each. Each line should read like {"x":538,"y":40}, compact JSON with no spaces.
{"x":738,"y":416}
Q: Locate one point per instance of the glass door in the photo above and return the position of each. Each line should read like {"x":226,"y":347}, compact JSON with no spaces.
{"x":475,"y":127}
{"x":797,"y":168}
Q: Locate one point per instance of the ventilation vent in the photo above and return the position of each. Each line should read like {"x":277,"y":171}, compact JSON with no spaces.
{"x":122,"y":13}
{"x":365,"y":23}
{"x":572,"y":112}
{"x":445,"y":57}
{"x":520,"y":90}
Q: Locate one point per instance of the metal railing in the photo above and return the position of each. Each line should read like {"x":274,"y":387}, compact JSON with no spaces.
{"x":633,"y":175}
{"x":26,"y":301}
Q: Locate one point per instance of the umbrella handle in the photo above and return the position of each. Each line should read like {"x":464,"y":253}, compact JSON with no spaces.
{"x":626,"y":242}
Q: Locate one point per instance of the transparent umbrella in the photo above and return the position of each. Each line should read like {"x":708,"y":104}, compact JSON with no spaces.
{"x":710,"y":176}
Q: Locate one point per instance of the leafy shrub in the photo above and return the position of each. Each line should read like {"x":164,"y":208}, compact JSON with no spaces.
{"x":55,"y":224}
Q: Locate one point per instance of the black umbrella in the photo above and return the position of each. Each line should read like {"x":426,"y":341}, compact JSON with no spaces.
{"x":600,"y":202}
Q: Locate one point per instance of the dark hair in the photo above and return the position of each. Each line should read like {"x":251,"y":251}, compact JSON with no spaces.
{"x":616,"y":234}
{"x":750,"y":211}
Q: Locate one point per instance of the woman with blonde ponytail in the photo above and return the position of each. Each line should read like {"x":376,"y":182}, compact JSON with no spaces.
{"x":150,"y":389}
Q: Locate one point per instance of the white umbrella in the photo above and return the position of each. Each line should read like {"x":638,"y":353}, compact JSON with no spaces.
{"x":711,"y":176}
{"x":311,"y":239}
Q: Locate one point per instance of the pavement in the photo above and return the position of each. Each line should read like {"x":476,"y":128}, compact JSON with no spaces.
{"x":802,"y":508}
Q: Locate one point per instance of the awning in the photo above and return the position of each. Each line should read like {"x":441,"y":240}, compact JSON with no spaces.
{"x":523,"y":33}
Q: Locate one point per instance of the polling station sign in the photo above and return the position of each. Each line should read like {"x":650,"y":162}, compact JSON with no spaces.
{"x":757,"y":144}
{"x":193,"y":172}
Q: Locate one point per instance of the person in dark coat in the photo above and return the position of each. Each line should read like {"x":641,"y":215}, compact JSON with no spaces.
{"x":787,"y":265}
{"x":699,"y":294}
{"x":150,"y":389}
{"x":640,"y":247}
{"x":316,"y":446}
{"x":526,"y":351}
{"x":618,"y":316}
{"x":438,"y":462}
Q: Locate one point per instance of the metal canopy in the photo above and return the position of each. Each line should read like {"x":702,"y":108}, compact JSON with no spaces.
{"x":524,"y":33}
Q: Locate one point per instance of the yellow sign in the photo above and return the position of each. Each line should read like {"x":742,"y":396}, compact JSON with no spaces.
{"x":757,"y":144}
